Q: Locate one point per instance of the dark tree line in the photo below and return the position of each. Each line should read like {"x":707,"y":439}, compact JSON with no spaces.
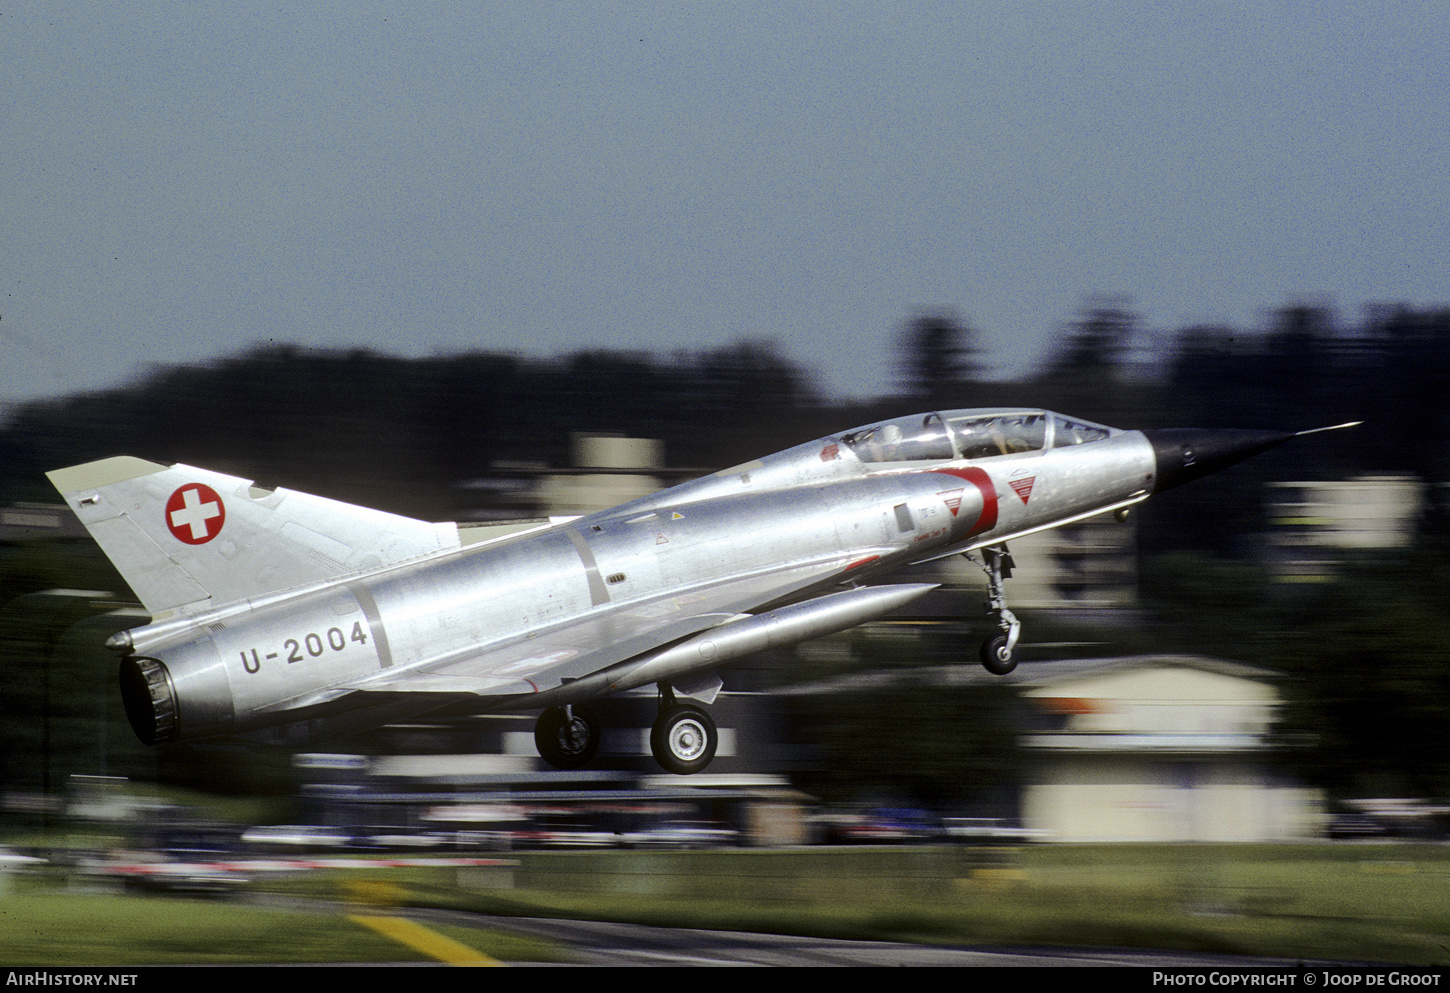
{"x":353,"y":422}
{"x":400,"y":433}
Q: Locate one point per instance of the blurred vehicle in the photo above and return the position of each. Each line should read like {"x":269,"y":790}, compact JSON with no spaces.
{"x":11,"y":859}
{"x":879,"y":826}
{"x":1395,"y":817}
{"x":578,"y":838}
{"x":399,"y":840}
{"x":522,"y":837}
{"x":989,"y":829}
{"x":295,"y":837}
{"x":1342,"y":826}
{"x":149,"y":872}
{"x":682,"y":834}
{"x":165,"y":877}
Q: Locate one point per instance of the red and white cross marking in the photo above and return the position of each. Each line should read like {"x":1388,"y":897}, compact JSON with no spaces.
{"x":195,"y":514}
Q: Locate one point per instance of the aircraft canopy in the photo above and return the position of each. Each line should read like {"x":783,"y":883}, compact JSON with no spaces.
{"x":968,"y":434}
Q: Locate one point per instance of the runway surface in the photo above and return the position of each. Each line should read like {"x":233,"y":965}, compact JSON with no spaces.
{"x":597,"y":943}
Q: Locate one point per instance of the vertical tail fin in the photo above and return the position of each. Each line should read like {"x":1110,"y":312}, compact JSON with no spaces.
{"x":183,"y":536}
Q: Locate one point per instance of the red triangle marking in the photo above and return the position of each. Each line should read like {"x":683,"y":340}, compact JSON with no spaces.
{"x":953,"y":500}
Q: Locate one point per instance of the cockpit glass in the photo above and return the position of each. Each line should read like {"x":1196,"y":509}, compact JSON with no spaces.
{"x":983,"y":436}
{"x":1066,"y":432}
{"x":906,"y":439}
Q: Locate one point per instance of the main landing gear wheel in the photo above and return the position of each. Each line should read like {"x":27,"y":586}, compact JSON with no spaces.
{"x":567,"y":737}
{"x":684,"y":739}
{"x":998,"y":657}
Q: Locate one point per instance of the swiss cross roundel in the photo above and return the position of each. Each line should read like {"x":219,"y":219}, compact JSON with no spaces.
{"x":195,"y":514}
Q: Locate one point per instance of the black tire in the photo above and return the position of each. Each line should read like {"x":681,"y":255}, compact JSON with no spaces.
{"x":684,"y":740}
{"x":567,"y":744}
{"x":996,"y":657}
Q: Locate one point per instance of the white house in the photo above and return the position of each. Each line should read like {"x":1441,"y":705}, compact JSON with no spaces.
{"x":1158,"y":748}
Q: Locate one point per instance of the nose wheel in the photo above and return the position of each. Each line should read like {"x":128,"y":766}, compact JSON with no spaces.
{"x":998,"y":657}
{"x":684,"y":738}
{"x":999,"y":652}
{"x":567,"y":737}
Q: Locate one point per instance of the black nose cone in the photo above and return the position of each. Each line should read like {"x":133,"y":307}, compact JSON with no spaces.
{"x":1186,"y":454}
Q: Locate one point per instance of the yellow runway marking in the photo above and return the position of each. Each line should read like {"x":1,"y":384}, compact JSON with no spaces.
{"x":425,"y":940}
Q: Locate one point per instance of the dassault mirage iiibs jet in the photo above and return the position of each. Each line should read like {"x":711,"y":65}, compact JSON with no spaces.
{"x":271,"y":607}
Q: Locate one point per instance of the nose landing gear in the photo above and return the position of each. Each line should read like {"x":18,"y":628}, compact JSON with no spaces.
{"x":999,"y":652}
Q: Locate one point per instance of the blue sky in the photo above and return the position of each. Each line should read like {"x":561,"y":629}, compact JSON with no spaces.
{"x":183,"y":181}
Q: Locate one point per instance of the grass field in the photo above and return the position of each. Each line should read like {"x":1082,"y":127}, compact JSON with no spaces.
{"x":1387,"y":903}
{"x":1352,"y":902}
{"x":48,"y":928}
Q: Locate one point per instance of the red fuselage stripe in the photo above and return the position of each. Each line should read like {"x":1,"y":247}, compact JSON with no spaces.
{"x":983,"y":482}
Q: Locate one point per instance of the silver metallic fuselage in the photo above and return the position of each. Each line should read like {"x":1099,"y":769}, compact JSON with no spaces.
{"x":820,"y":509}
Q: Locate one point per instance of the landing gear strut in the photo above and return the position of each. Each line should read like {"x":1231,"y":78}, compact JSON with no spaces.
{"x":999,"y":652}
{"x":567,"y":737}
{"x":684,"y":737}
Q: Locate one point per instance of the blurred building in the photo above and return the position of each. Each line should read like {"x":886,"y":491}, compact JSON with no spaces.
{"x":1315,"y":524}
{"x":607,"y":470}
{"x":507,"y":801}
{"x":31,"y":521}
{"x":608,"y":474}
{"x":1159,"y":748}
